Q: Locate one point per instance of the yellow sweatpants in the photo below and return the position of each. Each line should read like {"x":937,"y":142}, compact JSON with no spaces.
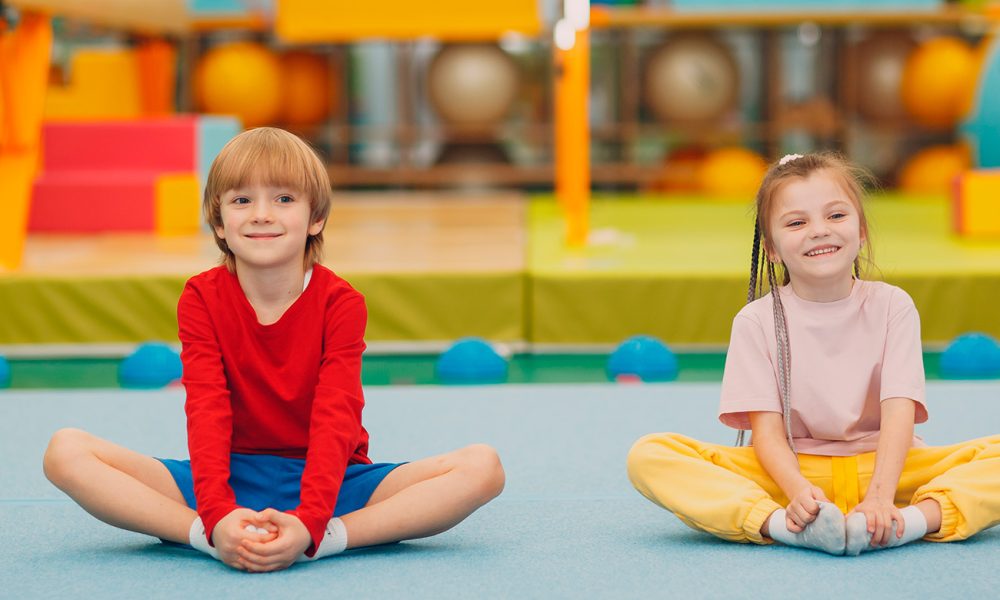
{"x":725,"y":491}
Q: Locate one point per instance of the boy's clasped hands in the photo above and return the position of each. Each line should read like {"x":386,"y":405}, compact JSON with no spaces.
{"x":262,"y":541}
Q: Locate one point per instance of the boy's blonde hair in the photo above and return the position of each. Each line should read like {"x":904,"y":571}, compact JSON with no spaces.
{"x":273,"y":157}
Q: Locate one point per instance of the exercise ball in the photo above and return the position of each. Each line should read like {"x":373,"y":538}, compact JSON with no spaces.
{"x":933,"y":170}
{"x":878,"y":74}
{"x":472,"y":84}
{"x":984,"y":121}
{"x":642,"y":357}
{"x":680,"y":170}
{"x":242,"y":79}
{"x":309,"y":94}
{"x":936,"y":81}
{"x":4,"y":372}
{"x":471,"y":360}
{"x":151,"y":365}
{"x":971,"y":356}
{"x":731,"y":172}
{"x":691,"y":78}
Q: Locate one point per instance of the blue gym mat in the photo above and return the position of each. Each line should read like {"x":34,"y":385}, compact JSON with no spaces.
{"x":568,"y":525}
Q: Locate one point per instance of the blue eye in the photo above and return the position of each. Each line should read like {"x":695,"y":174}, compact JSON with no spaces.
{"x":796,"y":223}
{"x":837,"y":216}
{"x":285,"y":199}
{"x":241,"y":200}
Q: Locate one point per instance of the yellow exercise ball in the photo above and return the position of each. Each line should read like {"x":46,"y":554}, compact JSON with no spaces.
{"x":936,"y":81}
{"x":691,"y":78}
{"x":242,"y":79}
{"x":731,"y":172}
{"x":309,"y":94}
{"x":472,"y":84}
{"x":933,"y":170}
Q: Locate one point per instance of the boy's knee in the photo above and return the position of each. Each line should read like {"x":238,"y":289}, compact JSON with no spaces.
{"x":65,"y":446}
{"x":484,"y":463}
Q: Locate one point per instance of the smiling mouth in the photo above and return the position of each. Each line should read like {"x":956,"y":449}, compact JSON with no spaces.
{"x":263,"y":236}
{"x":823,"y":251}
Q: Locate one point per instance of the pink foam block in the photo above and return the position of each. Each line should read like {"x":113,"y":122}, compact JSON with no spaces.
{"x":168,"y":144}
{"x":93,"y":201}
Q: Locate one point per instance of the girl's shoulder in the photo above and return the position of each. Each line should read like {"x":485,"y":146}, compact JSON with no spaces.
{"x":882,"y":293}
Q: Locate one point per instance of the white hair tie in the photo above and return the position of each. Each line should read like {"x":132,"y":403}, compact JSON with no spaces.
{"x":788,"y":158}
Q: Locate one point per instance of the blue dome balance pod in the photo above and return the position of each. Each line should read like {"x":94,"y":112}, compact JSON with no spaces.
{"x":152,"y":365}
{"x":971,"y":356}
{"x":4,"y":372}
{"x":643,"y":357}
{"x":471,"y":360}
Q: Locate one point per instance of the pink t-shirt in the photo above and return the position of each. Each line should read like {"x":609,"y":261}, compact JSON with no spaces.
{"x":847,"y":356}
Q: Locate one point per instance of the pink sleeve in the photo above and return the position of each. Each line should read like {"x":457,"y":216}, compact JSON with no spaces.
{"x":209,"y":413}
{"x":335,"y":422}
{"x":748,"y":382}
{"x":903,"y":359}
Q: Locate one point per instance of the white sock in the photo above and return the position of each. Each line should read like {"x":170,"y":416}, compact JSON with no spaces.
{"x":826,"y":533}
{"x":859,"y":540}
{"x":334,"y":541}
{"x":197,"y":539}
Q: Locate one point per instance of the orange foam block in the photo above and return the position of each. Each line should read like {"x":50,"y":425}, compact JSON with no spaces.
{"x":178,"y":204}
{"x":976,"y":203}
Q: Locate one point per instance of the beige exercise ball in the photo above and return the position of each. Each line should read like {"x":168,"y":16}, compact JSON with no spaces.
{"x":881,"y":59}
{"x":691,"y":78}
{"x":472,"y":84}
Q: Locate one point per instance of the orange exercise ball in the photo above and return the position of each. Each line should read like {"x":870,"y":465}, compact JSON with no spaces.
{"x":933,"y":170}
{"x":309,"y":88}
{"x":881,"y":59}
{"x":680,"y":170}
{"x":691,"y":78}
{"x":242,"y":79}
{"x":472,"y":84}
{"x":731,"y":172}
{"x":937,"y":80}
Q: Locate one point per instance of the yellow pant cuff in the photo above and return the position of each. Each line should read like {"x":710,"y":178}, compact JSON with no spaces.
{"x":755,"y":520}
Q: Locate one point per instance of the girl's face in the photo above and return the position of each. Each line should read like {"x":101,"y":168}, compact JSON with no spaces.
{"x":815,"y":230}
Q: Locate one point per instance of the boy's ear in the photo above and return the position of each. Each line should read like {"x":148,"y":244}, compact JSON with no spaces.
{"x":219,"y":231}
{"x":317,"y":227}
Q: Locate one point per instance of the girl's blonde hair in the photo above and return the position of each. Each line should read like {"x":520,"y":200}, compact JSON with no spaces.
{"x":853,"y":180}
{"x":273,"y":157}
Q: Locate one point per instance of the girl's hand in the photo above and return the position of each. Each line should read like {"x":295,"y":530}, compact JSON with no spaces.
{"x":291,"y":540}
{"x":231,"y":531}
{"x":803,"y":508}
{"x":880,"y":514}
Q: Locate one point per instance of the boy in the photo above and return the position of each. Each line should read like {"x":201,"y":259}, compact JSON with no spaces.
{"x":271,"y":347}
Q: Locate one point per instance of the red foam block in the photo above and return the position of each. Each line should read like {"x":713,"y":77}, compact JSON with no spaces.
{"x":168,"y":144}
{"x":93,"y":202}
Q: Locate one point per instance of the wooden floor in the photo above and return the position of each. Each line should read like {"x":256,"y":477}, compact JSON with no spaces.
{"x":365,"y":233}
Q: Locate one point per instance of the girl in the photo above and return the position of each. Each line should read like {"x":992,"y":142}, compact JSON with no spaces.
{"x":826,"y":371}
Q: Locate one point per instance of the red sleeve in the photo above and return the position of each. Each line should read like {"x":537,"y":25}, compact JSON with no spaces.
{"x":209,"y":413}
{"x":335,"y":422}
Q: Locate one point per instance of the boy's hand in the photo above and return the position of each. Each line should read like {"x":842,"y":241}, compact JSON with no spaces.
{"x":232,"y":530}
{"x":291,"y":541}
{"x":803,"y":508}
{"x":880,"y":513}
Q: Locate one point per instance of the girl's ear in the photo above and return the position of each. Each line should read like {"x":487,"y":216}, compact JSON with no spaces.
{"x":770,"y":254}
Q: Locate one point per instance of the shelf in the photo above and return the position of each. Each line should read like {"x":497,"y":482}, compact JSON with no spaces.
{"x":610,"y":18}
{"x":499,"y":175}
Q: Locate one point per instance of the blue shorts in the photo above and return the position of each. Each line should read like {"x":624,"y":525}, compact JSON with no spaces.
{"x":265,"y":481}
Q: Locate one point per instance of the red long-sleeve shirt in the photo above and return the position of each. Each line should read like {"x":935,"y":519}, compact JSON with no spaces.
{"x":292,"y":388}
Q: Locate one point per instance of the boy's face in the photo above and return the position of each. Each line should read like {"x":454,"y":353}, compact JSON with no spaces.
{"x":266,"y":227}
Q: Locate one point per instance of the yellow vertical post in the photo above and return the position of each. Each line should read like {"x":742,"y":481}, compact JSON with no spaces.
{"x":572,"y":135}
{"x":24,"y":70}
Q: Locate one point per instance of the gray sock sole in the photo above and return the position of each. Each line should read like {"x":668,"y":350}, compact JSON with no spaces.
{"x":827,"y":532}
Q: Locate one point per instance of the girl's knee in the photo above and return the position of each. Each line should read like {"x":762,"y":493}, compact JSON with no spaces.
{"x":483,"y":464}
{"x":65,"y":446}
